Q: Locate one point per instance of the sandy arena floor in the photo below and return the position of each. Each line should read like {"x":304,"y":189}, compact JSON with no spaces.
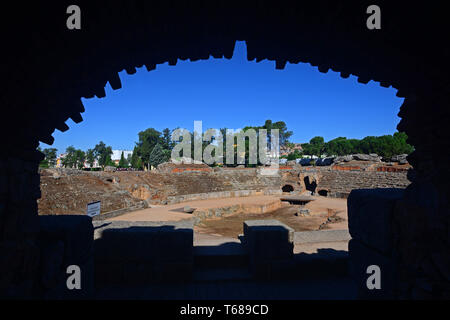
{"x":321,"y":209}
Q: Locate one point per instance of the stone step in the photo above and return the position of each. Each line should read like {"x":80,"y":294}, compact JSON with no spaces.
{"x":321,"y":236}
{"x":222,"y":274}
{"x":229,"y":255}
{"x":321,"y":265}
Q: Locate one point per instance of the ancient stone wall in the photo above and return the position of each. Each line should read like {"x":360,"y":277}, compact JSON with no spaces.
{"x":19,"y":227}
{"x":69,"y":193}
{"x":341,"y":183}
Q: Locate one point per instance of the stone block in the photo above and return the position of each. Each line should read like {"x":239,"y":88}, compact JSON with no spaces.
{"x":75,"y":231}
{"x":267,"y":241}
{"x":370,"y":216}
{"x":64,"y":241}
{"x":361,"y":257}
{"x":143,"y":252}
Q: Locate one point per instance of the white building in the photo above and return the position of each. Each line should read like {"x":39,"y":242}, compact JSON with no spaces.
{"x":116,"y":154}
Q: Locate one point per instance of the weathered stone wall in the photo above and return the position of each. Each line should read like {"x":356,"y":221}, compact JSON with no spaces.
{"x":395,"y":235}
{"x":58,"y":66}
{"x":69,"y":193}
{"x":19,"y":227}
{"x":341,"y":183}
{"x":143,"y":252}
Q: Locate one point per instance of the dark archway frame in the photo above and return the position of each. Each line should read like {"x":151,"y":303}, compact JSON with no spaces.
{"x":46,"y":69}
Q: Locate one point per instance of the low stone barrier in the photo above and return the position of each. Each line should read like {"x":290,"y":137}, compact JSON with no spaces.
{"x":270,"y":245}
{"x":65,"y":241}
{"x":219,"y":195}
{"x":143,"y":252}
{"x":201,"y":214}
{"x":301,"y":237}
{"x":370,"y":220}
{"x":116,"y":213}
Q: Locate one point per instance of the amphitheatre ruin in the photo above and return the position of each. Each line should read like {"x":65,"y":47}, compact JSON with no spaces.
{"x":217,"y":204}
{"x":194,"y":232}
{"x":213,"y":192}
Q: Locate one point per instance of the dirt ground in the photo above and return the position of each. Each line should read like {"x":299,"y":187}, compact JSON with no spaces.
{"x":70,"y":194}
{"x":175,"y":212}
{"x":325,"y":213}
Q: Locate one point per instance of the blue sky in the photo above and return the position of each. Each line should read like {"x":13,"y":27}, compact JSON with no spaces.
{"x":233,"y":93}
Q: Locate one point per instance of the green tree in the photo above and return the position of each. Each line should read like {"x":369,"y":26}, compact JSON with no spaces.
{"x":295,"y":155}
{"x":166,"y":139}
{"x":136,"y":161}
{"x":139,"y":164}
{"x":157,"y":156}
{"x":284,"y":133}
{"x":148,"y":139}
{"x":103,"y":154}
{"x":50,"y":156}
{"x":70,"y":159}
{"x":90,"y":157}
{"x":80,"y":157}
{"x":44,"y":162}
{"x":317,"y":145}
{"x":123,"y":163}
{"x":307,"y":149}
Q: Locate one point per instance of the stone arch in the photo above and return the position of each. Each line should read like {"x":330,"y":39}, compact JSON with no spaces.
{"x":50,"y":68}
{"x":287,"y":188}
{"x":310,"y":183}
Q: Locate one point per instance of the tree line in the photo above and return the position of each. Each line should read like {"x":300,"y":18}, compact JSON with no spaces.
{"x":76,"y":158}
{"x":154,"y":147}
{"x":385,"y":146}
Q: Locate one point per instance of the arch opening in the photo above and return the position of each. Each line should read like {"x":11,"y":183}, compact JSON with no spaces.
{"x":310,"y":184}
{"x":287,"y":188}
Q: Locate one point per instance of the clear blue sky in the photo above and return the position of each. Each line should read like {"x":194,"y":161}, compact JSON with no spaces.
{"x":233,"y":93}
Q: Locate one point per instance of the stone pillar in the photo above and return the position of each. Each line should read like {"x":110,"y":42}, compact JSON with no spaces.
{"x":370,"y":221}
{"x":19,"y":225}
{"x":270,"y":246}
{"x":422,"y":218}
{"x":419,"y":222}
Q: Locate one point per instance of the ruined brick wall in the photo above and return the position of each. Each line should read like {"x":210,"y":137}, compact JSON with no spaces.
{"x":338,"y":182}
{"x":63,"y":194}
{"x":224,"y":179}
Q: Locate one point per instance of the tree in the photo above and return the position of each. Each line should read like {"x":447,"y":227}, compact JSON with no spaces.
{"x":385,"y":146}
{"x":166,"y":139}
{"x":338,"y":147}
{"x":307,"y":149}
{"x":157,"y":156}
{"x":148,"y":139}
{"x":317,"y":146}
{"x":283,"y":132}
{"x":123,"y":163}
{"x":135,"y":160}
{"x":80,"y":157}
{"x":50,"y":156}
{"x":103,"y":154}
{"x":44,"y":162}
{"x":70,"y":159}
{"x":295,"y":155}
{"x":90,"y":157}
